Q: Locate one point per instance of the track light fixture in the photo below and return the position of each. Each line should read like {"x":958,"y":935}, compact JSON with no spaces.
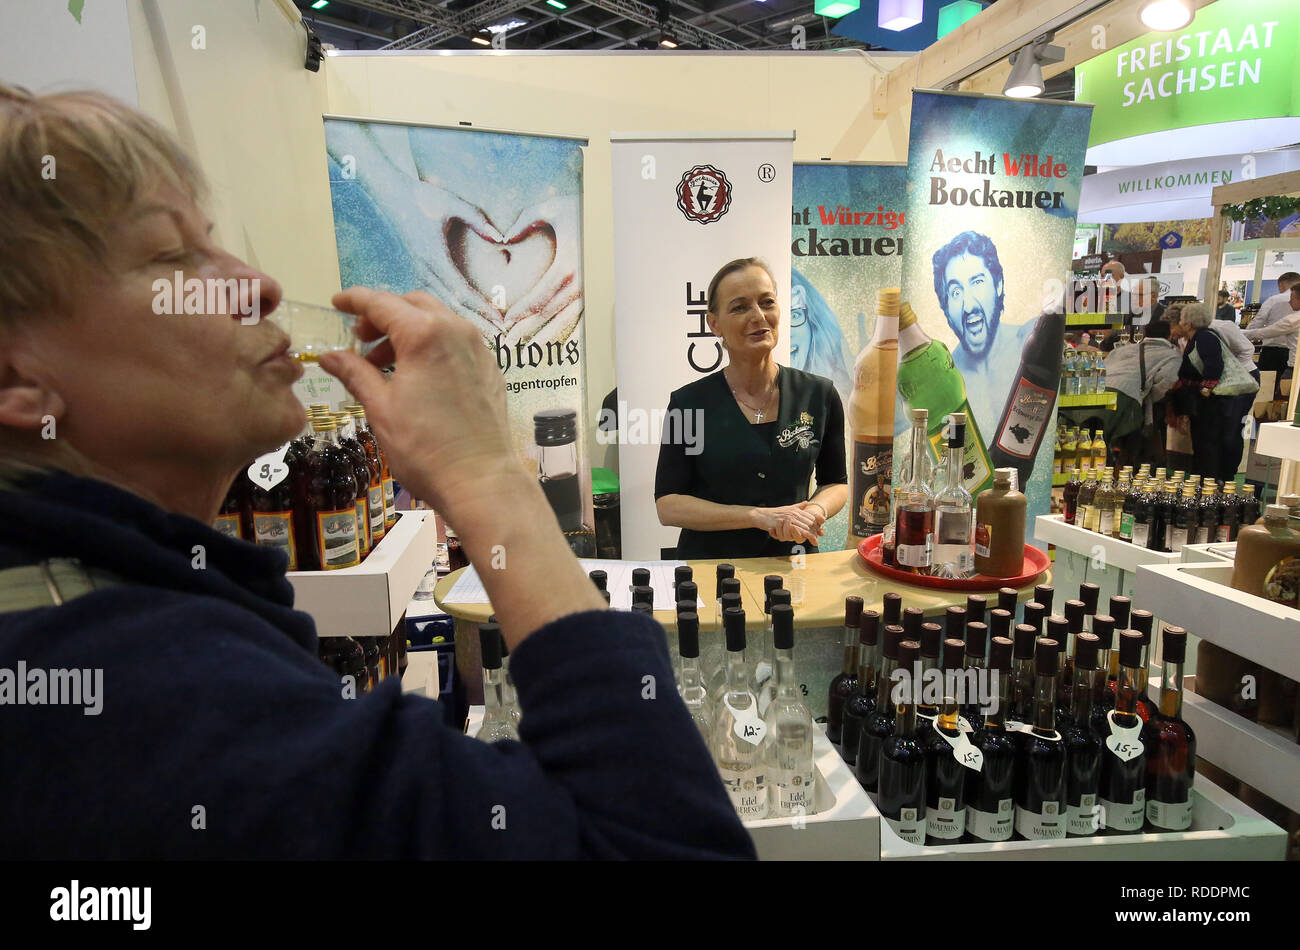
{"x":1026,"y":78}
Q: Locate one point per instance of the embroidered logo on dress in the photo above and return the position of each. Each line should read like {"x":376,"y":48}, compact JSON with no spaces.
{"x":801,"y":435}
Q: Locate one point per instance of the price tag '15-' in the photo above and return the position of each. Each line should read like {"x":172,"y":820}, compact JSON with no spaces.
{"x":748,"y":724}
{"x":963,"y":751}
{"x":270,"y":469}
{"x":1126,"y":744}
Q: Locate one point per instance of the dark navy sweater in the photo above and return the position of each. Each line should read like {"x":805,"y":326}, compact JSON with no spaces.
{"x":222,"y":735}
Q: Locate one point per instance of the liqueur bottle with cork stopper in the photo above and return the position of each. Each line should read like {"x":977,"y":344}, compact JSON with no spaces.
{"x":329,"y":509}
{"x":891,"y":610}
{"x":946,"y":749}
{"x":931,"y":644}
{"x":1090,"y":594}
{"x":1058,"y":631}
{"x":1000,"y":528}
{"x":1103,"y":628}
{"x":1007,"y":598}
{"x":975,"y":658}
{"x":1082,"y":745}
{"x":1034,"y":614}
{"x":845,"y":683}
{"x":361,"y":472}
{"x":880,"y":723}
{"x":902,"y":795}
{"x":1143,"y":621}
{"x":1021,"y":710}
{"x":375,"y":504}
{"x":1170,"y":744}
{"x":1045,"y":594}
{"x":990,"y":790}
{"x":1122,"y":788}
{"x":1041,"y":782}
{"x":870,"y":419}
{"x":863,"y":701}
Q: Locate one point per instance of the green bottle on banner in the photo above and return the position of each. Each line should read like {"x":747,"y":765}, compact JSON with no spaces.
{"x":927,"y":379}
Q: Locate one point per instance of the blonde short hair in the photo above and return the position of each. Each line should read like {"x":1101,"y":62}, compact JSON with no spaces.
{"x":70,"y":165}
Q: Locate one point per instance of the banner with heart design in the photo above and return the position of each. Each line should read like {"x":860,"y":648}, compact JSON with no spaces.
{"x":489,"y":223}
{"x":684,"y":205}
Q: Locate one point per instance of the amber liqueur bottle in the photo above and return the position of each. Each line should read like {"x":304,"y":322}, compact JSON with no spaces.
{"x":1142,"y":621}
{"x":879,"y":724}
{"x":975,"y":657}
{"x":1021,"y":710}
{"x":1041,"y":772}
{"x":234,"y":518}
{"x":375,"y":488}
{"x":1120,"y":609}
{"x":863,"y":701}
{"x":931,"y":644}
{"x":902,"y":795}
{"x":990,"y":789}
{"x":845,"y":683}
{"x":272,"y":508}
{"x":1170,"y":744}
{"x":329,"y":508}
{"x":1103,"y":628}
{"x":1122,"y":789}
{"x":1083,"y":746}
{"x":361,"y":472}
{"x":946,"y":745}
{"x":1058,"y":631}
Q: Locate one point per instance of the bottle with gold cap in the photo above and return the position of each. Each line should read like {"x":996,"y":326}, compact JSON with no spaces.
{"x":1084,"y":452}
{"x":1104,"y":502}
{"x":928,"y":379}
{"x":330,"y":506}
{"x":1099,"y":449}
{"x":871,"y":423}
{"x":375,"y":502}
{"x":361,"y":472}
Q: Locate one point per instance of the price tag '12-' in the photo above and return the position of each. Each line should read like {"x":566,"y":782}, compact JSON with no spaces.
{"x":270,"y":469}
{"x":748,"y":725}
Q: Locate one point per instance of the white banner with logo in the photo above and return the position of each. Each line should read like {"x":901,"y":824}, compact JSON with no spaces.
{"x":684,"y":205}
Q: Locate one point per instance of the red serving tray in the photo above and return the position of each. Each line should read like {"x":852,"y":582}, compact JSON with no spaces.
{"x":1036,"y":562}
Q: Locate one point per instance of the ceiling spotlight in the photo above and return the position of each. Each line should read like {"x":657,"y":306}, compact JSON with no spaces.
{"x":1026,"y":78}
{"x":1165,"y":15}
{"x":667,"y":42}
{"x":480,"y":40}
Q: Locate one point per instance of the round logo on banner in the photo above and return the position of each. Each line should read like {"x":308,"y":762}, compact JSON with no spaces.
{"x":704,"y":194}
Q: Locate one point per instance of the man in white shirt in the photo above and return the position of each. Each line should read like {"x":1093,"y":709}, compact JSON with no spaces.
{"x":1276,"y":325}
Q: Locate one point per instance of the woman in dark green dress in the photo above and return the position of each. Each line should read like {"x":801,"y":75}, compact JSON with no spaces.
{"x":767,"y":429}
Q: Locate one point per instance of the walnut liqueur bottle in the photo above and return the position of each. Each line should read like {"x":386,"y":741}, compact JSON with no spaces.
{"x":330,"y":504}
{"x":1170,"y":744}
{"x":871,"y":422}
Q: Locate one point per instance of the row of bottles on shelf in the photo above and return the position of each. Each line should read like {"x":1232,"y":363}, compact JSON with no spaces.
{"x":1083,"y":373}
{"x":902,"y":362}
{"x":1078,"y":448}
{"x":325,"y":499}
{"x":1158,"y":512}
{"x":936,"y":531}
{"x":362,"y":663}
{"x":1068,"y":745}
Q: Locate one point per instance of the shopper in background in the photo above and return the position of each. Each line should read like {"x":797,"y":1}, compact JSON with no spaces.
{"x":1277,"y":325}
{"x":1211,"y":380}
{"x":218,"y":733}
{"x":1142,"y":375}
{"x":767,"y":429}
{"x":1226,"y":311}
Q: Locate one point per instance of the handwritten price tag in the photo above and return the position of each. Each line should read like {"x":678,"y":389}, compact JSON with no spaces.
{"x":269,"y":470}
{"x":1126,"y":744}
{"x":963,"y":751}
{"x":748,"y":725}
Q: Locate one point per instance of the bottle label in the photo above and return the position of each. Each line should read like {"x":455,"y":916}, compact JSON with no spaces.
{"x":1126,"y":525}
{"x":375,"y":505}
{"x":228,"y":525}
{"x":363,"y":525}
{"x":873,"y":464}
{"x":992,"y":826}
{"x":945,"y":822}
{"x":909,"y":825}
{"x":794,"y":796}
{"x":1080,"y":516}
{"x":1124,"y":742}
{"x":1177,"y":539}
{"x":390,"y":507}
{"x":1028,"y":409}
{"x":983,"y":539}
{"x":746,"y":723}
{"x":1170,"y":816}
{"x":1125,"y":816}
{"x":1085,"y":817}
{"x":274,"y":529}
{"x":915,"y":555}
{"x":336,"y":539}
{"x":1047,"y":825}
{"x":1141,"y":533}
{"x":976,"y":469}
{"x":1222,"y":533}
{"x":747,"y":790}
{"x":1106,"y":521}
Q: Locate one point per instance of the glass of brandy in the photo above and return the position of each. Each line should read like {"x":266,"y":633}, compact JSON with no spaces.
{"x":314,"y":330}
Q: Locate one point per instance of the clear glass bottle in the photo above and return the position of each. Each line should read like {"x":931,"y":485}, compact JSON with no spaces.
{"x":953,"y":555}
{"x":1104,"y":504}
{"x":508,"y":694}
{"x":914,"y":526}
{"x":788,"y":745}
{"x":1084,"y":452}
{"x":1084,"y":511}
{"x":738,"y":730}
{"x":765,"y":674}
{"x":497,"y":724}
{"x":691,"y":684}
{"x":758,"y":655}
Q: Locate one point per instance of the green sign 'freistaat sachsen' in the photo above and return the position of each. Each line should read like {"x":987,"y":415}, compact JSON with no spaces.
{"x":1236,"y":60}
